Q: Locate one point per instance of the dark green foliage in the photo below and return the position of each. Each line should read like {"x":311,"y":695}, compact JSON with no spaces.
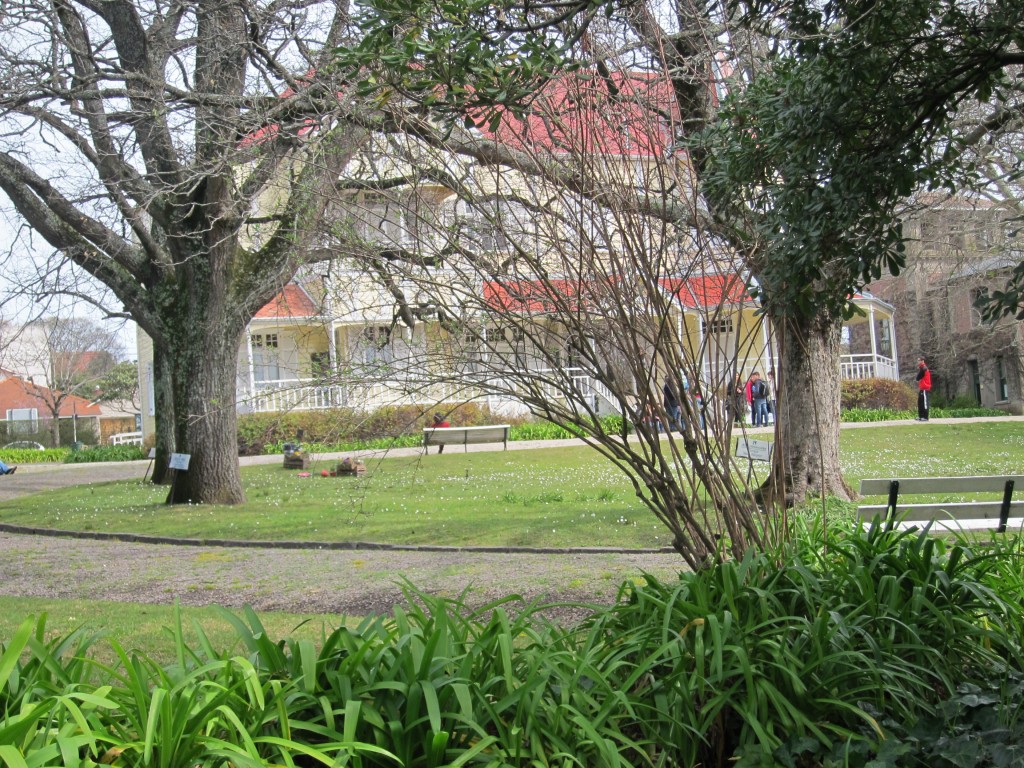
{"x":105,"y":453}
{"x":854,"y":116}
{"x":866,"y":649}
{"x":467,"y":62}
{"x":803,"y":656}
{"x":877,"y":393}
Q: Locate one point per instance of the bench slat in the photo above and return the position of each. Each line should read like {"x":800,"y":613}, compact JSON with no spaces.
{"x":911,"y":485}
{"x":956,"y":511}
{"x":954,"y":526}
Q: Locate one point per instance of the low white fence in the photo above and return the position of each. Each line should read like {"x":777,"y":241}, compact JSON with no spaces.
{"x":126,"y":438}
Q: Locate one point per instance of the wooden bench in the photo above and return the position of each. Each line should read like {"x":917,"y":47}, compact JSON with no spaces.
{"x":947,"y":516}
{"x":495,"y":433}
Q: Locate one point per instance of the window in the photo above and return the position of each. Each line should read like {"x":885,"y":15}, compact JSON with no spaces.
{"x":375,"y":345}
{"x":717,"y":326}
{"x":23,"y":420}
{"x":974,"y":375}
{"x":265,"y":366}
{"x":506,"y":332}
{"x":1003,"y":386}
{"x":264,"y":341}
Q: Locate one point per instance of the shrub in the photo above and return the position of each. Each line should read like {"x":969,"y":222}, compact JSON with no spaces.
{"x":29,"y":456}
{"x":347,"y":428}
{"x":105,"y":453}
{"x":877,"y":393}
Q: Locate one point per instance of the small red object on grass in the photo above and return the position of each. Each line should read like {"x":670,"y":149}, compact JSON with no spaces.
{"x":303,"y":474}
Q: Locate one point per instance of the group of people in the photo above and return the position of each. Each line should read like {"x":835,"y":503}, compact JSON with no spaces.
{"x":756,"y":395}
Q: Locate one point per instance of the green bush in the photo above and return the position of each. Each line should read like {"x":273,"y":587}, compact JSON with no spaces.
{"x":105,"y":453}
{"x":29,"y":456}
{"x":393,"y":427}
{"x":348,"y":429}
{"x":877,"y":394}
{"x":887,"y":414}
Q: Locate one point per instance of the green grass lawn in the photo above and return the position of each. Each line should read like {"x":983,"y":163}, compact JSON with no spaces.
{"x":146,"y":627}
{"x":554,"y":497}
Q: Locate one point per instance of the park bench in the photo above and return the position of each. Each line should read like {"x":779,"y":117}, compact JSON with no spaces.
{"x":947,"y":516}
{"x":495,"y":433}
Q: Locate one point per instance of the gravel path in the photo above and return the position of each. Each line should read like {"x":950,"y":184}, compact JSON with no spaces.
{"x":354,"y":583}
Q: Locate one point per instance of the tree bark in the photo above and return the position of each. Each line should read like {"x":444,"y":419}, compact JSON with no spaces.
{"x":807,"y":431}
{"x":163,"y":403}
{"x":203,"y":377}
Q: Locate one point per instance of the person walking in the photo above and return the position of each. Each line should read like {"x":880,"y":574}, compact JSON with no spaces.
{"x":924,"y":387}
{"x":673,"y":408}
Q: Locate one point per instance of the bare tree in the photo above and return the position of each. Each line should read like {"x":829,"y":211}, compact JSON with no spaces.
{"x":74,"y":355}
{"x":583,"y":304}
{"x":177,"y":153}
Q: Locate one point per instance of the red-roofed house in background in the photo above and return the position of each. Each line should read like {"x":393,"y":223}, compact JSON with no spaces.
{"x":449,"y":275}
{"x":27,"y":407}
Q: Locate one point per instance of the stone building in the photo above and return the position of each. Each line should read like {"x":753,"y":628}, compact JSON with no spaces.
{"x":956,"y":250}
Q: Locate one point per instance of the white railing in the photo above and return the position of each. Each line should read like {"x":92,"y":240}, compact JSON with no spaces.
{"x":868,"y":367}
{"x":304,"y":395}
{"x":126,"y":438}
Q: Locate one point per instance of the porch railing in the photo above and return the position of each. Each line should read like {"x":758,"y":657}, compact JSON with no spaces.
{"x":868,"y":366}
{"x":307,"y":395}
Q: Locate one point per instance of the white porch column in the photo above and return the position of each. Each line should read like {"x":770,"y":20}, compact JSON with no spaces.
{"x":332,"y":346}
{"x":892,"y":343}
{"x":248,"y":352}
{"x":874,"y":344}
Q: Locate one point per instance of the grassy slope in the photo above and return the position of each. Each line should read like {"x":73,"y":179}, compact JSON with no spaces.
{"x":551,"y":497}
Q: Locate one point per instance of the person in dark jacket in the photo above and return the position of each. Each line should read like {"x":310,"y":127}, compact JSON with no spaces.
{"x":673,"y":408}
{"x":924,"y":387}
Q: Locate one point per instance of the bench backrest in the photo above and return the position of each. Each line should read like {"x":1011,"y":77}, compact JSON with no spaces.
{"x":493,"y":433}
{"x":969,"y":514}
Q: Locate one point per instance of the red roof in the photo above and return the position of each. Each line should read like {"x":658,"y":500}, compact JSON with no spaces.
{"x":293,"y":301}
{"x":529,"y":297}
{"x":707,"y":291}
{"x":627,"y":113}
{"x":18,"y":393}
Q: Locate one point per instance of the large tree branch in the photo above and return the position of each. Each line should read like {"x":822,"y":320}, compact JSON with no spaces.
{"x":95,"y":248}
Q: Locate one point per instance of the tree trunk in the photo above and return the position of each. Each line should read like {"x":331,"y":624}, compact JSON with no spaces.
{"x":163,"y":407}
{"x":807,"y":462}
{"x":203,"y":367}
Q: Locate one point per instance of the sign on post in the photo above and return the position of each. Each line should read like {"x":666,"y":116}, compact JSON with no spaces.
{"x":755,"y":450}
{"x":180,"y":461}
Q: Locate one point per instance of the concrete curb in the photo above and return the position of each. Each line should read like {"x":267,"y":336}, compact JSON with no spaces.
{"x":136,"y":538}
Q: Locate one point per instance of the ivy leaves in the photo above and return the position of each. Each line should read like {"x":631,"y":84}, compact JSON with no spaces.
{"x":854,"y":116}
{"x":467,"y":60}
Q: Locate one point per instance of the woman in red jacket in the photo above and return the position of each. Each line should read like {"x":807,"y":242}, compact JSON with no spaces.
{"x":924,"y":386}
